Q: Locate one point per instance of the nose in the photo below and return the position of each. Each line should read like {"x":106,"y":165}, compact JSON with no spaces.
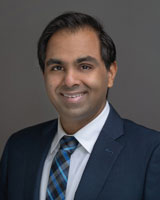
{"x":71,"y":78}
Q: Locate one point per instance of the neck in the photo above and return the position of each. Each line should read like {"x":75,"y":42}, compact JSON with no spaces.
{"x":72,"y":125}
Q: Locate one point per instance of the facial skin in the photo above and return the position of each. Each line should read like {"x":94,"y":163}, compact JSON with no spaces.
{"x":76,"y":78}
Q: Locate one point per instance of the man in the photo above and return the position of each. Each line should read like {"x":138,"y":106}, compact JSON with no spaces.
{"x":105,"y":157}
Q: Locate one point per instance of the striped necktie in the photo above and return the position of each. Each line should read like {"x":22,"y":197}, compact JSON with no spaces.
{"x":59,"y":170}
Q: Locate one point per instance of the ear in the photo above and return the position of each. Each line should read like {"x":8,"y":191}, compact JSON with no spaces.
{"x":112,"y":74}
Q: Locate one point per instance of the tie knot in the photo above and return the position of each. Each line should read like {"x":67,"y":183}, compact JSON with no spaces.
{"x":68,"y":143}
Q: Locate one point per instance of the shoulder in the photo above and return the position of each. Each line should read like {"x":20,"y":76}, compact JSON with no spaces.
{"x":139,"y":134}
{"x":137,"y":128}
{"x":131,"y":130}
{"x":33,"y":133}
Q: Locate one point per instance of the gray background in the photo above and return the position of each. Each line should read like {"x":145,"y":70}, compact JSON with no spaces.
{"x":135,"y":29}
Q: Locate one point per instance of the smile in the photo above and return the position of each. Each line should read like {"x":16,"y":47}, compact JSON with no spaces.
{"x":73,"y":95}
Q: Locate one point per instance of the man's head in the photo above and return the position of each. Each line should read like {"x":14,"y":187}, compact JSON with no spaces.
{"x":74,"y":21}
{"x":76,"y":75}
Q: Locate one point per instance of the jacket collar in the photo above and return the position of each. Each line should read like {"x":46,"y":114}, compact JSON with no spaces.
{"x":36,"y":161}
{"x":103,"y":156}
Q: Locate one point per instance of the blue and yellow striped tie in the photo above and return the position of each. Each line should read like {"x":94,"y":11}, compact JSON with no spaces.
{"x":59,"y":170}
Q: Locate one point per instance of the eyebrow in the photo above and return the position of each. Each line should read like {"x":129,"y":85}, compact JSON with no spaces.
{"x":52,"y":61}
{"x":87,"y":58}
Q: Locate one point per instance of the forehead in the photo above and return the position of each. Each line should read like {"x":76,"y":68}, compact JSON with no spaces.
{"x":81,"y":42}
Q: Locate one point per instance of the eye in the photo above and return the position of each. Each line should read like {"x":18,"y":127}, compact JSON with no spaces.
{"x":86,"y":67}
{"x":57,"y":68}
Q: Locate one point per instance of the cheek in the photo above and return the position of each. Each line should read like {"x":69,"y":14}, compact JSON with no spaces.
{"x":99,"y":81}
{"x":98,"y":88}
{"x":50,"y":87}
{"x":51,"y":82}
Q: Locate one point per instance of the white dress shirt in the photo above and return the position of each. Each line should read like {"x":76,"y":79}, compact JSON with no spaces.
{"x":86,"y":137}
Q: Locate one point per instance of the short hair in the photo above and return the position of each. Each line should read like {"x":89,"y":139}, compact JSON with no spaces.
{"x":74,"y":21}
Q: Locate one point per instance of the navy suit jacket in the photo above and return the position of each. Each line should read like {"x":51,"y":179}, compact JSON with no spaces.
{"x":124,"y":164}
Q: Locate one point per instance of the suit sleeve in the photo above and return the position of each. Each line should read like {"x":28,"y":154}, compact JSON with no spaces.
{"x":3,"y":174}
{"x":152,"y":183}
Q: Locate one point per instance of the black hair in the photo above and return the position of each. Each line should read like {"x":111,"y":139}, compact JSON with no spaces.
{"x":73,"y":21}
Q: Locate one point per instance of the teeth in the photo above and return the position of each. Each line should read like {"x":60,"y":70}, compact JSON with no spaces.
{"x":72,"y":96}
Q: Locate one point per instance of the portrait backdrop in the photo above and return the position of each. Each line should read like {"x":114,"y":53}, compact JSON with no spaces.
{"x":133,"y":26}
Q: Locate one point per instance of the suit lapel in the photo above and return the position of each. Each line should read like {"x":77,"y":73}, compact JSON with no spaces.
{"x":35,"y":162}
{"x":102,"y":159}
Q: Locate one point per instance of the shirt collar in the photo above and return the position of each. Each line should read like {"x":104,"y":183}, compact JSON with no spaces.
{"x":87,"y":135}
